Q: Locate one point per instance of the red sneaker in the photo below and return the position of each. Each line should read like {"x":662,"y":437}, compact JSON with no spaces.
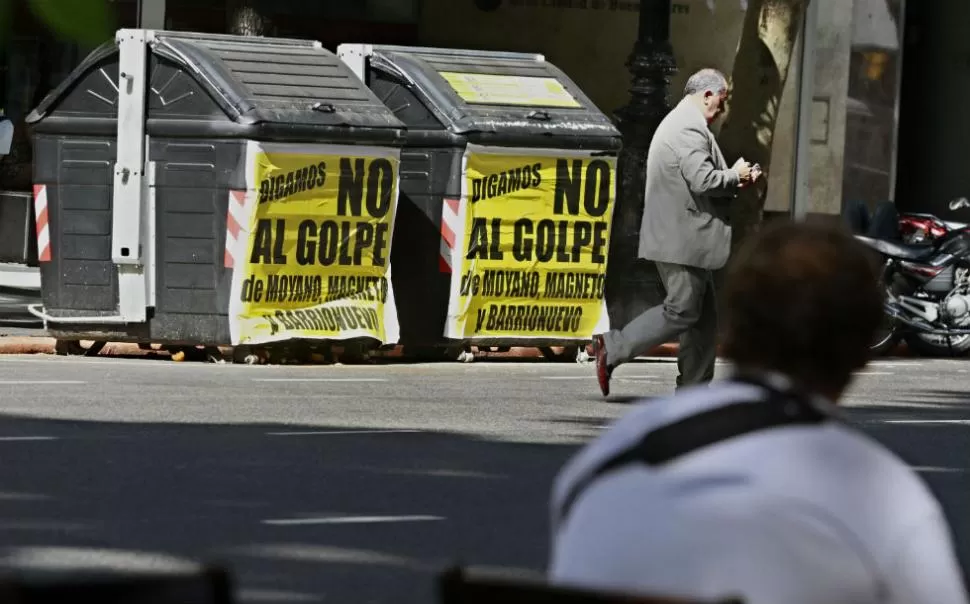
{"x":603,"y":371}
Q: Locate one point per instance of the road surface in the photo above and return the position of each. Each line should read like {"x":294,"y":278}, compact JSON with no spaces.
{"x":354,"y":484}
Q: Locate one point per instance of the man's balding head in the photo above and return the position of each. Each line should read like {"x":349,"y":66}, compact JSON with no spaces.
{"x":708,"y":89}
{"x":803,"y":300}
{"x":705,"y":80}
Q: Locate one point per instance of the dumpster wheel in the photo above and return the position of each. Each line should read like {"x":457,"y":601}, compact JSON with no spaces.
{"x":192,"y":354}
{"x":73,"y":348}
{"x":247,"y":355}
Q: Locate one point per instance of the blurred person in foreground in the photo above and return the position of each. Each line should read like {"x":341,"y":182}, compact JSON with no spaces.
{"x":755,"y":487}
{"x":682,"y":235}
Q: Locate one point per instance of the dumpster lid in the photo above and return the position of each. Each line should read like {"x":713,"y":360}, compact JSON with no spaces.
{"x":256,"y":80}
{"x":482,"y":91}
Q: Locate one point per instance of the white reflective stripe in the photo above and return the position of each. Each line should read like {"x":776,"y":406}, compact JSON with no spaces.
{"x":43,"y":232}
{"x":238,"y":212}
{"x":43,"y":239}
{"x":449,"y":218}
{"x":449,"y":221}
{"x":445,"y":252}
{"x":40,"y":202}
{"x":237,"y":207}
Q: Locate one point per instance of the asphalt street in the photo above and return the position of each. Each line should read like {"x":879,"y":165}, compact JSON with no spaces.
{"x":355,"y":483}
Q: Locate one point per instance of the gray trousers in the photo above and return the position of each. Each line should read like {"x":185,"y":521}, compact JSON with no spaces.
{"x":689,"y":311}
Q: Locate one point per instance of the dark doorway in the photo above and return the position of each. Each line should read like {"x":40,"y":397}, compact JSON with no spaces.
{"x":933,"y":164}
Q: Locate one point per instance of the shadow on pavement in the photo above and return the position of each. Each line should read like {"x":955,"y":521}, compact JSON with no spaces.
{"x":930,"y":430}
{"x":239,"y":494}
{"x":262,"y":498}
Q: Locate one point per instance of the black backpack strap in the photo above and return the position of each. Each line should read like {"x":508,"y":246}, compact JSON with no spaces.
{"x":665,"y":444}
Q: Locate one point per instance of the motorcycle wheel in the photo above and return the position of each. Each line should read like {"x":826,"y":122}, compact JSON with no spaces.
{"x":887,"y":338}
{"x":888,"y":335}
{"x":937,"y":346}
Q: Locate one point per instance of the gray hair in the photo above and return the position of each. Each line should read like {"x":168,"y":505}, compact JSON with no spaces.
{"x":704,"y":80}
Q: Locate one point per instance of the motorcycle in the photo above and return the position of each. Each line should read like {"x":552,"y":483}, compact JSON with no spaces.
{"x":927,"y":294}
{"x":918,"y":228}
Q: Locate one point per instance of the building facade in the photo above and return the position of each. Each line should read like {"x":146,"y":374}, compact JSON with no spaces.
{"x":851,"y":111}
{"x":850,"y":104}
{"x":33,"y":60}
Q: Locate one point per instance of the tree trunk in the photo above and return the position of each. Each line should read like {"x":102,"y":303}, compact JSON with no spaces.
{"x":245,"y":19}
{"x":761,"y":67}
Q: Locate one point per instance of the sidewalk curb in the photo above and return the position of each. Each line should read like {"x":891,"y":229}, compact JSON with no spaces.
{"x":26,"y":345}
{"x":669,"y":350}
{"x":665,"y":350}
{"x":45,"y":345}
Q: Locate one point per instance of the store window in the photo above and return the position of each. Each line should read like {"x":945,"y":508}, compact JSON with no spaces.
{"x":332,"y":22}
{"x":33,"y":61}
{"x":393,"y":11}
{"x":871,"y":122}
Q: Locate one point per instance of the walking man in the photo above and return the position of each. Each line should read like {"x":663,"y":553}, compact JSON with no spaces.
{"x":682,"y":235}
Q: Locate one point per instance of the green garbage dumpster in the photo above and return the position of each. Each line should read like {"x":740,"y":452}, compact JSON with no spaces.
{"x":508,"y":181}
{"x":206,"y":189}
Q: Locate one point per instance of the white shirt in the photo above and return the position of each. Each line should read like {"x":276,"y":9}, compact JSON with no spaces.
{"x":800,"y":514}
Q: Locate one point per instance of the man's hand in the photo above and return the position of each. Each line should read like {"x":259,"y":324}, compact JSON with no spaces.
{"x":755,"y":175}
{"x":743,"y":169}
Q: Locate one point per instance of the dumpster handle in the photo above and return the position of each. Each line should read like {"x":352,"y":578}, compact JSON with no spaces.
{"x":38,"y":311}
{"x":323,"y":107}
{"x":538,"y":115}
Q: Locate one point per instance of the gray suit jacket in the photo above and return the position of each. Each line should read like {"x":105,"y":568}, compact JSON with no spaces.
{"x":685,"y":173}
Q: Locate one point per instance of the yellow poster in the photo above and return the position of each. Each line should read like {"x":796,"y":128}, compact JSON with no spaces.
{"x":529,"y":255}
{"x":491,"y":89}
{"x":313,"y":258}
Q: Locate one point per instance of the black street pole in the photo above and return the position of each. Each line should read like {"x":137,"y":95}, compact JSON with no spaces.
{"x":632,"y":285}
